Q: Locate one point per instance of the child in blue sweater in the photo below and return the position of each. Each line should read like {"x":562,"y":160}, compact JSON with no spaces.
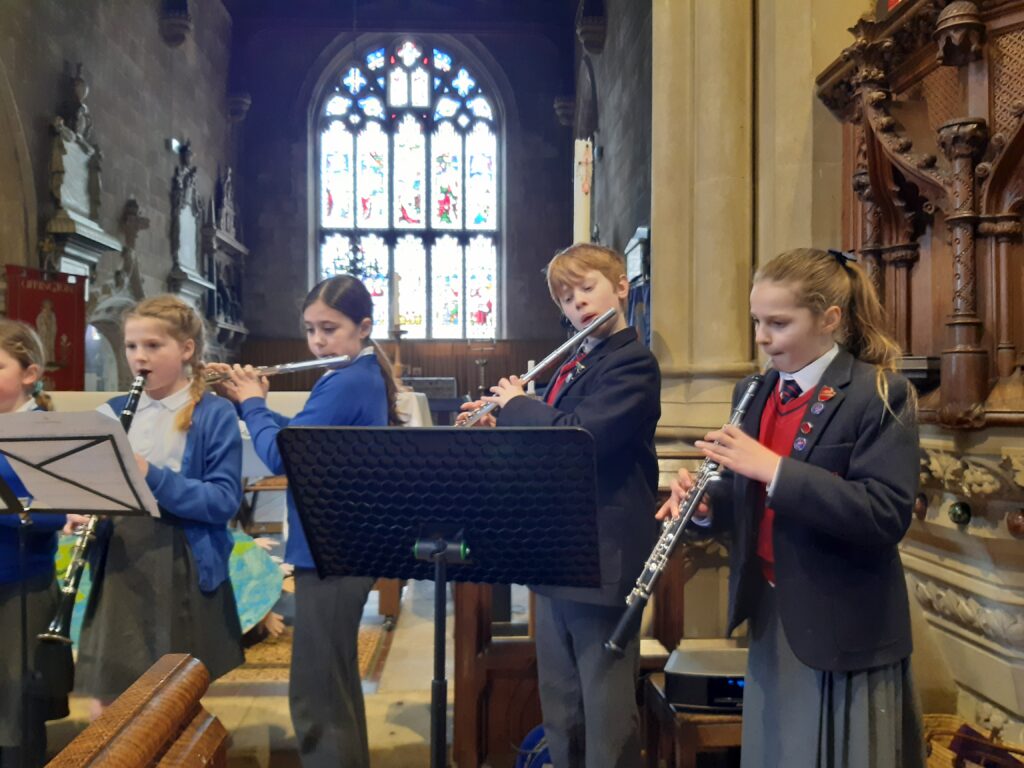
{"x":21,"y":389}
{"x":325,"y":692}
{"x":161,"y":585}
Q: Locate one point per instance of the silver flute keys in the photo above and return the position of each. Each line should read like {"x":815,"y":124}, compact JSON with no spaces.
{"x":708,"y":473}
{"x":338,"y":361}
{"x":555,"y":356}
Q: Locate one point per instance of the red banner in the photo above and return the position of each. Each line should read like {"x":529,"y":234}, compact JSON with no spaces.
{"x":54,"y":305}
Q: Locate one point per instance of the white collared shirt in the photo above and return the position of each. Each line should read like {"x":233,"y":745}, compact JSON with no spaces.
{"x":153,"y":434}
{"x":27,"y":406}
{"x":809,"y":376}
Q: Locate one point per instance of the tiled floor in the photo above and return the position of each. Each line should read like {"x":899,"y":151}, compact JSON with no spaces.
{"x":397,"y":706}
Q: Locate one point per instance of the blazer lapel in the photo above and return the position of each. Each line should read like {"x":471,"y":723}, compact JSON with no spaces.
{"x":828,"y":396}
{"x":611,"y":344}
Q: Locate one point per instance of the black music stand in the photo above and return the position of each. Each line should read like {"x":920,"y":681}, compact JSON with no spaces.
{"x":504,"y":505}
{"x":66,"y":463}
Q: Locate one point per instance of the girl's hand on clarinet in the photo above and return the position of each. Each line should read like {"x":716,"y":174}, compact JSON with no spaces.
{"x":734,"y":449}
{"x":506,"y":390}
{"x":487,"y":420}
{"x":72,"y":522}
{"x":142,"y":464}
{"x":680,"y":490}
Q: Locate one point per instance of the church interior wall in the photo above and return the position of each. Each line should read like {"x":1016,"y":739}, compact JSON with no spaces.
{"x":141,"y":93}
{"x":277,"y":218}
{"x":622,"y":165}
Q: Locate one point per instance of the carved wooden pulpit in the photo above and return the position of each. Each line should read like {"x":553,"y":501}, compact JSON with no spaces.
{"x":931,"y":97}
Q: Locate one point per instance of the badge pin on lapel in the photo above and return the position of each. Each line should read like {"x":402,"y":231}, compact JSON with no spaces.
{"x":817,"y":408}
{"x":800,"y":443}
{"x":826,"y":393}
{"x":577,"y":369}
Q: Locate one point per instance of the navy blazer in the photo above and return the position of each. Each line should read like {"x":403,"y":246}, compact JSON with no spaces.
{"x":843,"y":500}
{"x":617,"y":398}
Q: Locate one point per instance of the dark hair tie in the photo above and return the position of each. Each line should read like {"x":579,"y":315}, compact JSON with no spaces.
{"x":843,"y":257}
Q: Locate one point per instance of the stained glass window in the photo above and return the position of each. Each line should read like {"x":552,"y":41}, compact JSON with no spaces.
{"x":408,"y":185}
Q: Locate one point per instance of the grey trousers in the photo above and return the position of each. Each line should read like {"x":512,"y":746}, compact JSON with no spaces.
{"x":325,"y":693}
{"x":587,"y":695}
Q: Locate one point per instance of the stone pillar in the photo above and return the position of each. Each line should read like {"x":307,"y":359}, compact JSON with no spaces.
{"x":701,"y":206}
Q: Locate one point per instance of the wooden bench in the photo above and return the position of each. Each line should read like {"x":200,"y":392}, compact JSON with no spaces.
{"x":158,"y":721}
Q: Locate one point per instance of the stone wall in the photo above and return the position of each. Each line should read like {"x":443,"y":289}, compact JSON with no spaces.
{"x":622,"y":81}
{"x":142,"y":92}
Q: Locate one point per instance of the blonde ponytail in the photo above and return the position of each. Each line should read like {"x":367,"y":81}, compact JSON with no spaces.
{"x":823,"y":279}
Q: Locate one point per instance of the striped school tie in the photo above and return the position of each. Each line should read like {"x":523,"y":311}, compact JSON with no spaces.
{"x":790,"y":391}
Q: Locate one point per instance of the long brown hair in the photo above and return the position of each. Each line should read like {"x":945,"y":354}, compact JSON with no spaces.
{"x":821,"y":279}
{"x":349,"y":296}
{"x":182,"y":323}
{"x":22,"y":343}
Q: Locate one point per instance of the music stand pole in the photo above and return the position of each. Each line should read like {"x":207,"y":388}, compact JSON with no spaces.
{"x":441,"y":552}
{"x":24,"y":521}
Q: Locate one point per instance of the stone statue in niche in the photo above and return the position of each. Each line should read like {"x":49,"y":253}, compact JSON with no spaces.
{"x":185,"y":210}
{"x":188,"y":276}
{"x":74,"y":240}
{"x":226,"y":209}
{"x":132,"y":222}
{"x":80,"y":121}
{"x":224,"y":257}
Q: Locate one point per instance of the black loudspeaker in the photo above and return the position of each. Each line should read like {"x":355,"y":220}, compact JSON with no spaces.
{"x":706,"y":676}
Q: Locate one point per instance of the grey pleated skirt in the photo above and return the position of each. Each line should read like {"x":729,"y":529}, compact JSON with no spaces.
{"x":146,"y":602}
{"x":797,"y":716}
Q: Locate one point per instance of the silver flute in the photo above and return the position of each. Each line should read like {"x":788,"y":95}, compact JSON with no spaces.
{"x":709,"y":472}
{"x":338,"y":361}
{"x":558,"y":354}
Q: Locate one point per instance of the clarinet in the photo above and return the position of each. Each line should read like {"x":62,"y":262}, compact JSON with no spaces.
{"x":59,"y":630}
{"x":709,"y":472}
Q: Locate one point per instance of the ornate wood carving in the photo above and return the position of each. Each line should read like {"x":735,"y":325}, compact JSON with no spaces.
{"x":960,"y":33}
{"x":937,"y":186}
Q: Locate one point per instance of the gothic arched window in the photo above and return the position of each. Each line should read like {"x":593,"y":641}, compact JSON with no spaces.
{"x":408,"y":185}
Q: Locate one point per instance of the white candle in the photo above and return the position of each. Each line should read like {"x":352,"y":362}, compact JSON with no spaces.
{"x":395,"y":319}
{"x":583,"y":159}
